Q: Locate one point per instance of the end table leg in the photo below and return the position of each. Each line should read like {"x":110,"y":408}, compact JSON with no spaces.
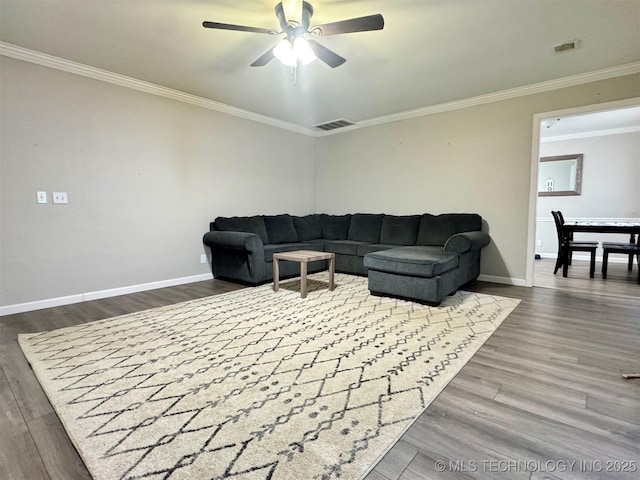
{"x":303,"y":279}
{"x":332,"y":269}
{"x":276,"y":275}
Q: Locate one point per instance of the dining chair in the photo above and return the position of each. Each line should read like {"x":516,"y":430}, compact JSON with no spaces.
{"x":631,"y":249}
{"x":571,"y":246}
{"x":570,"y":235}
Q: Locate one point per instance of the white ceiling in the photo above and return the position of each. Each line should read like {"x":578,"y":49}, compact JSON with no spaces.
{"x":430,"y":51}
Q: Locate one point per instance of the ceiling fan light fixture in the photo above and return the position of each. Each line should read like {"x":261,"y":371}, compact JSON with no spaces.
{"x":296,"y":48}
{"x":290,"y":55}
{"x":283,"y":51}
{"x":303,"y":52}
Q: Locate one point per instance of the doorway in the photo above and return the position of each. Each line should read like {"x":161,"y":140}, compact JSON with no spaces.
{"x":608,"y":138}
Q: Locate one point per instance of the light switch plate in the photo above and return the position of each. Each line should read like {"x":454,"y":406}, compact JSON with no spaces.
{"x":60,"y":197}
{"x":41,"y":197}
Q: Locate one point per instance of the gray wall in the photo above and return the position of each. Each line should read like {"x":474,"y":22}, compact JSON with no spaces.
{"x":470,"y":160}
{"x":144,"y":175}
{"x":610,"y":186}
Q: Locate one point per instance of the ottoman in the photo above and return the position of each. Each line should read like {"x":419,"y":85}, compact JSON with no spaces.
{"x":418,"y":273}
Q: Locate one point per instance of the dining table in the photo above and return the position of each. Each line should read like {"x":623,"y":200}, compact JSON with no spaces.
{"x":569,"y":228}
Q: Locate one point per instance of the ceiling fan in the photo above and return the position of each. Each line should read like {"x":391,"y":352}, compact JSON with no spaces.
{"x":296,"y":48}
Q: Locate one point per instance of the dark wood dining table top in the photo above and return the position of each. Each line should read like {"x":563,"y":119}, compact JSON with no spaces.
{"x":602,"y":227}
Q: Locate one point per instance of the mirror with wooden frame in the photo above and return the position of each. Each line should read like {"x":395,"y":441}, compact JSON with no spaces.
{"x":561,"y":175}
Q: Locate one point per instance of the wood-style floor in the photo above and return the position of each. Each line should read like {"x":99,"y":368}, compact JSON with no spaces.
{"x":620,"y":281}
{"x":543,"y":392}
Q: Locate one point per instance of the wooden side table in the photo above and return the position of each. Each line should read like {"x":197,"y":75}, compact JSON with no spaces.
{"x":303,"y":257}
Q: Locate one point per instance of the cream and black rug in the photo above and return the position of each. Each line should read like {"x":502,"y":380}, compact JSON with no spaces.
{"x":254,"y":384}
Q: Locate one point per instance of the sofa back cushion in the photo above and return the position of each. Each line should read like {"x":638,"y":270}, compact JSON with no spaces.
{"x":307,"y":227}
{"x":399,"y":230}
{"x":365,"y":227}
{"x":335,"y":227}
{"x":253,"y":224}
{"x":436,"y":229}
{"x":280,"y":229}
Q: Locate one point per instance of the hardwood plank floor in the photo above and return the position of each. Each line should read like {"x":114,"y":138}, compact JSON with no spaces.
{"x":33,"y":443}
{"x":545,"y":389}
{"x":619,"y":283}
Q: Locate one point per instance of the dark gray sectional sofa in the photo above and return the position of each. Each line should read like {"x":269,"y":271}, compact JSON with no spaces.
{"x":420,"y":257}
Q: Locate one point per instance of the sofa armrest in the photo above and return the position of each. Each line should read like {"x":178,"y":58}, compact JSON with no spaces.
{"x":242,"y":241}
{"x":466,"y":241}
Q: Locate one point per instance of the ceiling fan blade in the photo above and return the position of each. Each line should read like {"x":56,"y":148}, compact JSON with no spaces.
{"x":327,"y":56}
{"x":264,"y":59}
{"x":361,"y":24}
{"x":239,"y":28}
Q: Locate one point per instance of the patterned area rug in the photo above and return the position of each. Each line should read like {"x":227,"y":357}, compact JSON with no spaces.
{"x":254,"y":384}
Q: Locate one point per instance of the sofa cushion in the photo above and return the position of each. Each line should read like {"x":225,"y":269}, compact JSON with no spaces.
{"x":369,"y":248}
{"x":413,"y":261}
{"x":365,"y":227}
{"x":253,"y":224}
{"x":280,"y":229}
{"x":269,"y":250}
{"x":307,"y":227}
{"x":436,"y":230}
{"x":399,"y":230}
{"x":342,"y":247}
{"x":335,"y":227}
{"x":318,"y":241}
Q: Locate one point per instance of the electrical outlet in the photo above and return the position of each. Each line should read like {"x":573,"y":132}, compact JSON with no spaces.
{"x":60,"y":197}
{"x":41,"y":197}
{"x":539,"y":243}
{"x":203,"y":258}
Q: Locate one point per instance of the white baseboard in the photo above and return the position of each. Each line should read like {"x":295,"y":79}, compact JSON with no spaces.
{"x":112,"y":292}
{"x":518,"y":282}
{"x":547,"y":255}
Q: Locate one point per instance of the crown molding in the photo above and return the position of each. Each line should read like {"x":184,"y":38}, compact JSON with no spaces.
{"x":542,"y":87}
{"x":593,"y":133}
{"x":46,"y":60}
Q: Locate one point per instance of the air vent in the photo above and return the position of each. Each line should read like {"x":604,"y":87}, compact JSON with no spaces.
{"x":572,"y":45}
{"x":341,"y":123}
